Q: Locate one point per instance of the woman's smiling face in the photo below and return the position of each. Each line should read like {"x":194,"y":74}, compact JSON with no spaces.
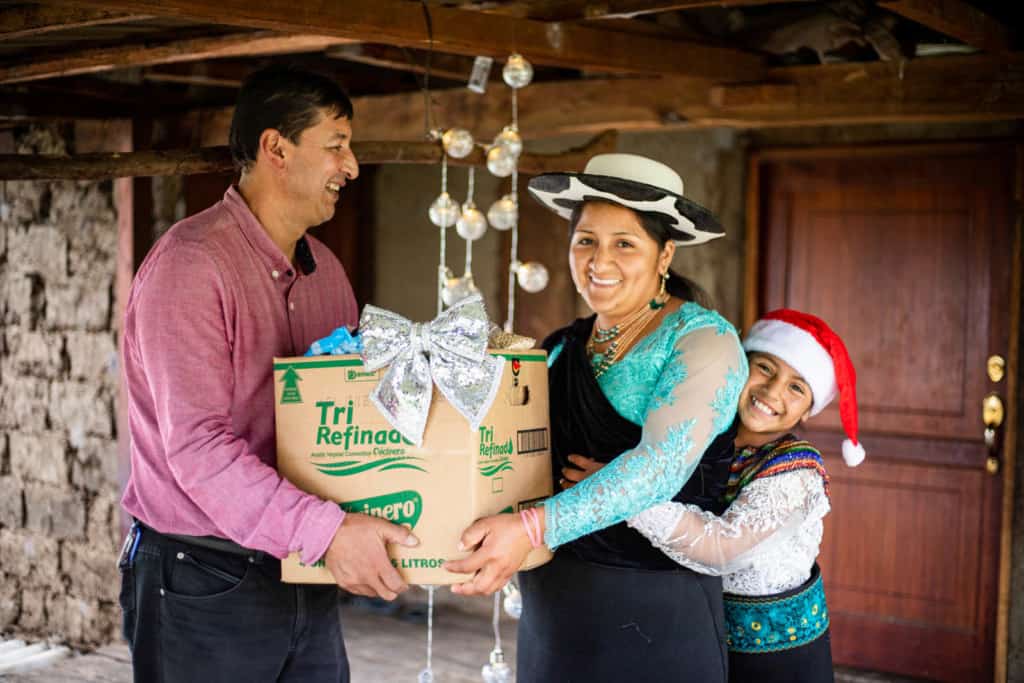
{"x":615,"y":263}
{"x":775,"y":399}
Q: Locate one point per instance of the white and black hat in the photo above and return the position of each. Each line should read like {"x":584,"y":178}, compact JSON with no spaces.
{"x":635,"y":182}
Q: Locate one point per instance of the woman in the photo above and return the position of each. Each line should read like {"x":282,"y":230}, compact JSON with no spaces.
{"x":765,"y":544}
{"x":646,"y":385}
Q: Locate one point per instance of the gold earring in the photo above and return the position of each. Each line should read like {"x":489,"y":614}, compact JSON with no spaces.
{"x":664,"y":280}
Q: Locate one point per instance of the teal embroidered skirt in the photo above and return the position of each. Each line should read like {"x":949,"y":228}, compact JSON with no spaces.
{"x":780,"y":637}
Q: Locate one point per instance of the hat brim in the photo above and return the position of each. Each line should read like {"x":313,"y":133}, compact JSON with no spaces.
{"x":688,"y":222}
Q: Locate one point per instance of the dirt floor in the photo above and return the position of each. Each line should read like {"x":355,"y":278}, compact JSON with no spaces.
{"x":384,"y":644}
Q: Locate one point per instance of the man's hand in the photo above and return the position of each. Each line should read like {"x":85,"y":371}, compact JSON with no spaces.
{"x":501,"y":545}
{"x":358,"y":559}
{"x":572,"y":476}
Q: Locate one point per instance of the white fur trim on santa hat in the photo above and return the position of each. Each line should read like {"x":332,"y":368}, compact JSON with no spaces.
{"x":802,"y":352}
{"x":853,"y":453}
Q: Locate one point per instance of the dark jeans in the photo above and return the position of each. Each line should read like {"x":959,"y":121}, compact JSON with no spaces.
{"x":196,"y":614}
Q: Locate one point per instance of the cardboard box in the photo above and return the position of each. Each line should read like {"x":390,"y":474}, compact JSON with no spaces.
{"x":332,"y":441}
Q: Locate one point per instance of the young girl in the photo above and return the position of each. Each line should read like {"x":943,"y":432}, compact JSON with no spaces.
{"x":765,"y":544}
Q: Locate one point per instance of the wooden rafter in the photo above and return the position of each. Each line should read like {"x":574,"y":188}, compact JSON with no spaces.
{"x":972,"y":88}
{"x":25,"y":21}
{"x":558,"y":10}
{"x":954,"y":18}
{"x":451,"y":67}
{"x":574,"y":10}
{"x":218,"y":160}
{"x":401,"y":23}
{"x":103,"y":59}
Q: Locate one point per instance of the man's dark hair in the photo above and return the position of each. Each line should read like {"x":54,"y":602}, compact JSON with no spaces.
{"x":286,"y":99}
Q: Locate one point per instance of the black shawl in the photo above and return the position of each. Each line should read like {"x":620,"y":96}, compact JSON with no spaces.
{"x":583,"y":421}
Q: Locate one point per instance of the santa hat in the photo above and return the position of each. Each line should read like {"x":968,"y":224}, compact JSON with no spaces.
{"x":811,"y":347}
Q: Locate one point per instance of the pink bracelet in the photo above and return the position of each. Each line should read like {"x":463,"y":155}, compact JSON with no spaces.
{"x":532,"y":524}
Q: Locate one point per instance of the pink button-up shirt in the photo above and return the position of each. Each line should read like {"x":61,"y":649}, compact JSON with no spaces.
{"x":213,"y":303}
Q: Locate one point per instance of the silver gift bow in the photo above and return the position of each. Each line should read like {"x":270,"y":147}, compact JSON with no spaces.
{"x":450,"y":350}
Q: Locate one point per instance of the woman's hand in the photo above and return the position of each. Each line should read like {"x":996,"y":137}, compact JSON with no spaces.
{"x":501,"y":545}
{"x":571,"y":475}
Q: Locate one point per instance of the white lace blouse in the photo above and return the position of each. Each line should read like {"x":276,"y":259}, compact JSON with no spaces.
{"x":765,"y":543}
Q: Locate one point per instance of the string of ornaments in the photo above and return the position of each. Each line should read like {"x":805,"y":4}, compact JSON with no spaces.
{"x":471,"y":224}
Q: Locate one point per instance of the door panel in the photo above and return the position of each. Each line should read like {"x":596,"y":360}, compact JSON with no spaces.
{"x":903,"y":252}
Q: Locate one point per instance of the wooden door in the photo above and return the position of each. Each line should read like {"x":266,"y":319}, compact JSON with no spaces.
{"x":906,"y":253}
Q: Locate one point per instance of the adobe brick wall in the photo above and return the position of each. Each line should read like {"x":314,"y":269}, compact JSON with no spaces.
{"x":58,"y":367}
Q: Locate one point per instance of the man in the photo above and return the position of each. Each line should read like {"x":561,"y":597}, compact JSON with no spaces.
{"x":218,"y":297}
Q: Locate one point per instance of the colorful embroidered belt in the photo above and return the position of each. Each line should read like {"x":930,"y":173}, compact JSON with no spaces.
{"x":777,"y":622}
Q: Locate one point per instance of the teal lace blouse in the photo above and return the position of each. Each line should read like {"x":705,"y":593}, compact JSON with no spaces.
{"x":681,"y":384}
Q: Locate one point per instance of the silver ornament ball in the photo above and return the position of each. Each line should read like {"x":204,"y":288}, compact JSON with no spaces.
{"x":500,"y":162}
{"x":513,"y":602}
{"x":510,"y":139}
{"x":458,"y":142}
{"x":496,"y":671}
{"x":458,"y":288}
{"x":517,"y":72}
{"x":471,"y":224}
{"x":532,"y":276}
{"x":444,"y":211}
{"x":503,"y":213}
{"x":426,"y":676}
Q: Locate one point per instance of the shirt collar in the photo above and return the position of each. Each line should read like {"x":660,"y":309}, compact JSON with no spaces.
{"x":259,"y":238}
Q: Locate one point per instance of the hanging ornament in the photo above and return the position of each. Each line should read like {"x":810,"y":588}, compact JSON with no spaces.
{"x":458,"y":288}
{"x":513,"y":602}
{"x":510,"y":139}
{"x":503,"y":213}
{"x":496,"y":671}
{"x":5,"y":207}
{"x":517,"y":71}
{"x":532,"y":276}
{"x":471,"y":224}
{"x":427,"y":674}
{"x":444,"y":212}
{"x":500,"y":162}
{"x":458,"y":142}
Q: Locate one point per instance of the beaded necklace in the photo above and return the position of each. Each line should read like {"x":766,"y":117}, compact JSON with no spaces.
{"x":621,"y":335}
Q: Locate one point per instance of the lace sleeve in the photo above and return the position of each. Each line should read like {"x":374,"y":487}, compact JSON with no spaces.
{"x":694,"y":400}
{"x":765,"y":513}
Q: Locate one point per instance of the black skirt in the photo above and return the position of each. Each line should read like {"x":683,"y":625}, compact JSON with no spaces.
{"x":589,"y":623}
{"x":610,"y":606}
{"x":810,"y":663}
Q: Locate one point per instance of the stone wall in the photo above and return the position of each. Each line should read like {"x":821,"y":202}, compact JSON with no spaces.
{"x":58,"y":367}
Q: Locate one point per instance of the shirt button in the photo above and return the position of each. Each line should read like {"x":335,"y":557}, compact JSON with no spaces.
{"x":291,"y":305}
{"x":274,"y":274}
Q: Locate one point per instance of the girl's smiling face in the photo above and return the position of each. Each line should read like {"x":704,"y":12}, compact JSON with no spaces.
{"x":775,"y":399}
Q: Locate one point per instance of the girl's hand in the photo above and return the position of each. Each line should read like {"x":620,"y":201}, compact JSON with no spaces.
{"x":500,"y":546}
{"x":571,"y":475}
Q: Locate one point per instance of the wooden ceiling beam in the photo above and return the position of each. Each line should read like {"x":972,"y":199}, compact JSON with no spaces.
{"x":972,"y":88}
{"x":449,"y":67}
{"x":27,"y":21}
{"x":575,"y":10}
{"x":954,"y":18}
{"x":246,"y":44}
{"x":218,"y":160}
{"x":464,"y":32}
{"x":559,"y":10}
